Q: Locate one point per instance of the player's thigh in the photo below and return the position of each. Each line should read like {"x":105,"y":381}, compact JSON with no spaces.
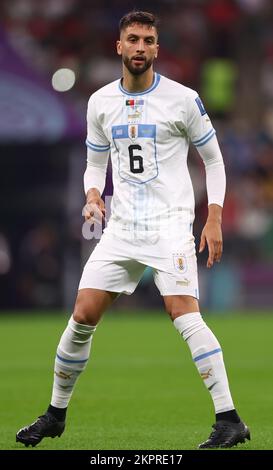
{"x":177,"y":278}
{"x":91,"y":304}
{"x":111,"y":267}
{"x":121,"y":277}
{"x":109,"y":270}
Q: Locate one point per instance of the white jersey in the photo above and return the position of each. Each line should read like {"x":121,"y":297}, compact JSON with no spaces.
{"x":148,"y":135}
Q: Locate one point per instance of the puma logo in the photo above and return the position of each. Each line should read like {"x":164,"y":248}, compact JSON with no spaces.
{"x":206,"y":375}
{"x":63,"y":375}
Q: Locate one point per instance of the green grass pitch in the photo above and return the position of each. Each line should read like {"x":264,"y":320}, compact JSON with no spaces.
{"x":141,"y":389}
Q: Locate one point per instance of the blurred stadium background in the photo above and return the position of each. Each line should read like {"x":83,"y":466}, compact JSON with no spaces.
{"x":53,"y":55}
{"x":222,"y":48}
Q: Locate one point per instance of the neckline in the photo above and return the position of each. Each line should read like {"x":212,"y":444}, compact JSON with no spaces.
{"x":151,"y":88}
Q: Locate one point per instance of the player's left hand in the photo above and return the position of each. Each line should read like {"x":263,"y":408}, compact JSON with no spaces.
{"x":212,"y":235}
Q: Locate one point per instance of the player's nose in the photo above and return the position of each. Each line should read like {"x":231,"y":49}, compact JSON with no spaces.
{"x":140,"y":46}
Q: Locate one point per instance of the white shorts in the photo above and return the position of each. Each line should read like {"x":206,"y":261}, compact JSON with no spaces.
{"x":117,"y":265}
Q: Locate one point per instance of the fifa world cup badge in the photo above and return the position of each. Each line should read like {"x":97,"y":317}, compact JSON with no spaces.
{"x":180,"y":262}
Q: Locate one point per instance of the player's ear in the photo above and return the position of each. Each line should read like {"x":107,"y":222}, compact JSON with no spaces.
{"x":157,"y":49}
{"x":118,"y":44}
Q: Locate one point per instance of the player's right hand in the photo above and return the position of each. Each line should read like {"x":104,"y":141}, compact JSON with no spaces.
{"x":94,"y":210}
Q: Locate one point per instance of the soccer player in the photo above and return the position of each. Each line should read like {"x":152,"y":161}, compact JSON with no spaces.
{"x":145,"y":122}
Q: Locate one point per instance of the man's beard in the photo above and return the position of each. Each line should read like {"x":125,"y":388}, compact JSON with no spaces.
{"x":137,"y":70}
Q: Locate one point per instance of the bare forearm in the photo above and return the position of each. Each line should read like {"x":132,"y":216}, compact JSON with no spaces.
{"x":215,"y":213}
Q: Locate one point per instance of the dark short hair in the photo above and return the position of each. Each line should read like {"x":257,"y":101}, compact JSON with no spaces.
{"x":142,"y":17}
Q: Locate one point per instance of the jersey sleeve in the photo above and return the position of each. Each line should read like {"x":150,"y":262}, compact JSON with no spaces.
{"x":97,"y":150}
{"x":96,"y":139}
{"x":199,"y":127}
{"x":215,"y":171}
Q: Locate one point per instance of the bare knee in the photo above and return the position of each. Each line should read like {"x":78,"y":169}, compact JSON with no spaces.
{"x":85,"y":312}
{"x":177,"y":305}
{"x":90,"y":305}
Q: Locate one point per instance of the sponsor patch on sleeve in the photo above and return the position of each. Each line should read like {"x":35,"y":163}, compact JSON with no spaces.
{"x":200,"y":106}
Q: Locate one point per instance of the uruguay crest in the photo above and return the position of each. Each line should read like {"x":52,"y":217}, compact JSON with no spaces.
{"x":132,"y":132}
{"x":180,"y":262}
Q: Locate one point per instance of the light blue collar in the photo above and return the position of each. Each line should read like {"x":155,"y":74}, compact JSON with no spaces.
{"x":152,"y":87}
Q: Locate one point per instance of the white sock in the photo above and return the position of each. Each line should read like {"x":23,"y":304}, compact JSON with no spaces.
{"x":207,"y":355}
{"x":71,"y":359}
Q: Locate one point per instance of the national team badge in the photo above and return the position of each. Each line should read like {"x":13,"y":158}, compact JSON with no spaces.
{"x":180,"y":262}
{"x":132,"y":132}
